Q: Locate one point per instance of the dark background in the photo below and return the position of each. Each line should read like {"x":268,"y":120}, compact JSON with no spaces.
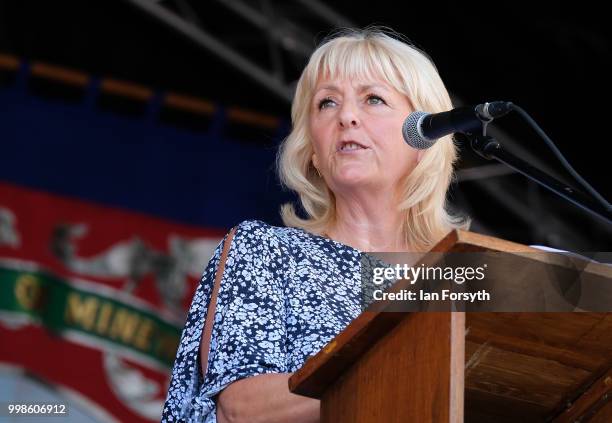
{"x":551,"y":59}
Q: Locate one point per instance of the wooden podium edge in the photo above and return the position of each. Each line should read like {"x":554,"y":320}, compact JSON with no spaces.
{"x":327,"y":365}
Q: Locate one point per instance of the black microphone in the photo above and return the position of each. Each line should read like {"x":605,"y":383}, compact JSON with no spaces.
{"x":421,"y":130}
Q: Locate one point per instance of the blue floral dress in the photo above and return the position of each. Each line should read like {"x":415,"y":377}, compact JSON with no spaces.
{"x":284,"y":295}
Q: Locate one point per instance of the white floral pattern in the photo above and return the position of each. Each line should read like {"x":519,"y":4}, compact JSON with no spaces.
{"x":284,"y":295}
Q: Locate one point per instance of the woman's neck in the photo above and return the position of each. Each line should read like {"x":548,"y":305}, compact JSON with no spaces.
{"x":376,"y":227}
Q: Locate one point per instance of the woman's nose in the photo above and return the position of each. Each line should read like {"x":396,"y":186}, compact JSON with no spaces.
{"x":348,"y":117}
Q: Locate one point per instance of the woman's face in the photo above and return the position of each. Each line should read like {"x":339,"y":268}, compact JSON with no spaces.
{"x":356,"y":130}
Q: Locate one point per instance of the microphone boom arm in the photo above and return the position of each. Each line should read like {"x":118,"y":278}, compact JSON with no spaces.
{"x":487,"y":147}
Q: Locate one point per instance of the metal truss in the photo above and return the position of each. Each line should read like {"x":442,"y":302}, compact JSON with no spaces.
{"x":280,"y":32}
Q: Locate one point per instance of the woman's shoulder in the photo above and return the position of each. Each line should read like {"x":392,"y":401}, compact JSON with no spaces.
{"x":258,"y":231}
{"x":289,"y":238}
{"x":261,"y":229}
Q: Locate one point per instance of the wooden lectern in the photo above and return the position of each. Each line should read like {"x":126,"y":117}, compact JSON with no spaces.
{"x":474,"y":367}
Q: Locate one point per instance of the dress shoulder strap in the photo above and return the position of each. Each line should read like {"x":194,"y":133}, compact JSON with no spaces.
{"x":210,"y":315}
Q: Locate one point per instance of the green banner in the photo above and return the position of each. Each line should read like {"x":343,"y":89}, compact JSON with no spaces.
{"x":61,"y":306}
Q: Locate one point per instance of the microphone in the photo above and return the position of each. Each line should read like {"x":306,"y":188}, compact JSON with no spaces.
{"x":421,"y":130}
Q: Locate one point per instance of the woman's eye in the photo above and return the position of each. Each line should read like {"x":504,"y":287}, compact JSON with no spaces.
{"x":374,"y":99}
{"x":326,"y":102}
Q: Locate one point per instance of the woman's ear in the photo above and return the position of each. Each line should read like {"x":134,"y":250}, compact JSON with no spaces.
{"x":315,"y":161}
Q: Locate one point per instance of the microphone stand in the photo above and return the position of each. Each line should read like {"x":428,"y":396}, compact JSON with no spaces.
{"x":488,"y":147}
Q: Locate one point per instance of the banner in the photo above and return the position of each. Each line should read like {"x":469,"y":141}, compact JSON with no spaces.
{"x":92,"y":302}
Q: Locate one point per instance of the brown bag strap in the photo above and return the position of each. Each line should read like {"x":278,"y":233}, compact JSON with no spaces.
{"x":210,"y":315}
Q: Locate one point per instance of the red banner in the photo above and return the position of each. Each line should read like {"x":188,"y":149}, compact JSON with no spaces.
{"x":93,"y":302}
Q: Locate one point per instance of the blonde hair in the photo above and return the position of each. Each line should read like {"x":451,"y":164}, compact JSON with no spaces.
{"x":369,"y":54}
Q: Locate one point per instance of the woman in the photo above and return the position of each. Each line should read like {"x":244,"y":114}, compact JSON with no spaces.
{"x":286,"y":292}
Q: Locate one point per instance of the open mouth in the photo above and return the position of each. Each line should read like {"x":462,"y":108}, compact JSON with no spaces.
{"x":350,"y":146}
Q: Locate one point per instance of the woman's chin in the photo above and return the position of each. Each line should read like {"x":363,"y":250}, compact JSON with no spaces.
{"x":354,"y":176}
